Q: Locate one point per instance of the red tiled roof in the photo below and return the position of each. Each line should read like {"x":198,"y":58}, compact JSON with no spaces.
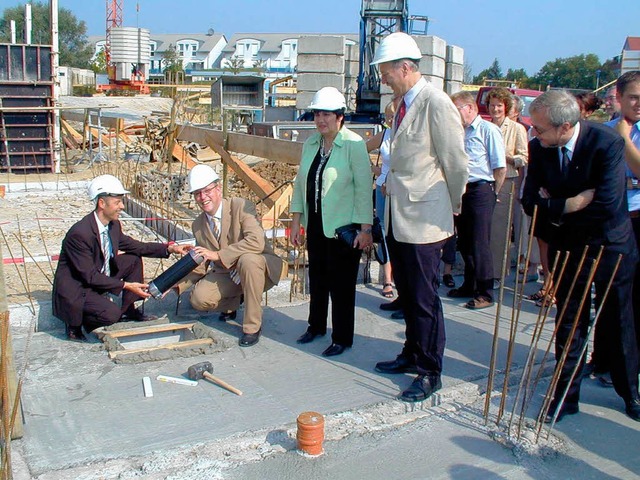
{"x":632,"y":43}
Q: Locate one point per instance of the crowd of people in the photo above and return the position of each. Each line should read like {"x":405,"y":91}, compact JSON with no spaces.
{"x":443,"y":166}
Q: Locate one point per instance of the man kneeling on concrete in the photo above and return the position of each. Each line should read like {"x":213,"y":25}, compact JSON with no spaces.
{"x":238,"y":261}
{"x":97,"y":260}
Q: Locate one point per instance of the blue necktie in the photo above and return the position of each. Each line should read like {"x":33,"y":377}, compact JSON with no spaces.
{"x":106,"y":251}
{"x":565,"y":162}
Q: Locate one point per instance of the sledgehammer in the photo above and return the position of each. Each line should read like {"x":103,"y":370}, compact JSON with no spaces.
{"x":204,"y":370}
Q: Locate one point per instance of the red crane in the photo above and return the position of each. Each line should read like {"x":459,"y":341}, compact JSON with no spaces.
{"x":114,"y":19}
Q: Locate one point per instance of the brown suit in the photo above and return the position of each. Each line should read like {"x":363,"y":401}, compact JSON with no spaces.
{"x":242,"y":247}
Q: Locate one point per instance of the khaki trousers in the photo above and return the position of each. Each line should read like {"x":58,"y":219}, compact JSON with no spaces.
{"x":217,"y":292}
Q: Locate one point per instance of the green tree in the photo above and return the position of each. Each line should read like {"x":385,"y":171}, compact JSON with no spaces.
{"x":517,"y":75}
{"x":494,"y":72}
{"x":578,"y":71}
{"x":234,"y":65}
{"x":99,"y":62}
{"x":171,"y":60}
{"x":75,"y":50}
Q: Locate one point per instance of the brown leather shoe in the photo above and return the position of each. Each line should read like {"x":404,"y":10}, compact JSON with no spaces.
{"x":478,"y":303}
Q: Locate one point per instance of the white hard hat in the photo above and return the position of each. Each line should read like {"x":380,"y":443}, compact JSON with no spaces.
{"x":329,"y":99}
{"x":105,"y":185}
{"x":396,"y":46}
{"x":200,"y":176}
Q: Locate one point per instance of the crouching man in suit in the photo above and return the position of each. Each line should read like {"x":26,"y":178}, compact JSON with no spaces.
{"x":96,"y":260}
{"x":238,"y":261}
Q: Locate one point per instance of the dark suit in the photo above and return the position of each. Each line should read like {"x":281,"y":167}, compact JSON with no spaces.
{"x":598,"y":163}
{"x":79,"y":287}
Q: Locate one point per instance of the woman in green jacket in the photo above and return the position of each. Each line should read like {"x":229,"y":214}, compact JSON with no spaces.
{"x":332,"y":189}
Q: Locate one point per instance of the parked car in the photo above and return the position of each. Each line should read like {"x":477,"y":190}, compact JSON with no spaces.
{"x":526,"y":95}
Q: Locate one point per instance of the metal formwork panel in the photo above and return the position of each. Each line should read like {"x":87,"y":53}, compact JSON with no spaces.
{"x":26,"y":108}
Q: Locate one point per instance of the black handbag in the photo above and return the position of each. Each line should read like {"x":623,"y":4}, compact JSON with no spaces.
{"x":347,"y":234}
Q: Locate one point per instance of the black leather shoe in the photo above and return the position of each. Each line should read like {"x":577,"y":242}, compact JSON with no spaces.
{"x":136,"y":315}
{"x":447,"y":280}
{"x":633,"y":409}
{"x":397,"y":315}
{"x":400,"y":365}
{"x":460,"y":293}
{"x":567,"y":409}
{"x":224,"y":316}
{"x":391,"y":306}
{"x":333,"y":350}
{"x":75,"y":334}
{"x":249,"y":339}
{"x":421,"y":388}
{"x":308,"y":336}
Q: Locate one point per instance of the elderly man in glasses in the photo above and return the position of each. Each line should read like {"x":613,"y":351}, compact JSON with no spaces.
{"x":238,"y":261}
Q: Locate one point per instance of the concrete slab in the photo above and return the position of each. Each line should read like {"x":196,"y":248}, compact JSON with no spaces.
{"x":431,"y":65}
{"x":321,"y":44}
{"x":454,"y":72}
{"x":431,"y":45}
{"x":320,"y":63}
{"x":82,"y":408}
{"x":455,"y":54}
{"x":312,"y":82}
{"x":451,"y":87}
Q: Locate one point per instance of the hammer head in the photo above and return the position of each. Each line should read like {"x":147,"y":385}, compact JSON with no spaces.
{"x":196,"y":372}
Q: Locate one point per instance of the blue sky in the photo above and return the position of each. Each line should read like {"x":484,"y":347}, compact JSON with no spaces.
{"x":521,"y":34}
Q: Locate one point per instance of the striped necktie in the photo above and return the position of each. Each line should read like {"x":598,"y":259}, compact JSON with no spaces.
{"x":106,"y":251}
{"x":402,"y":110}
{"x":214,"y":228}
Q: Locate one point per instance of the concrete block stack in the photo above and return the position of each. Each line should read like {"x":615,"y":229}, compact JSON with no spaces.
{"x":433,"y":64}
{"x":351,"y":68}
{"x":454,"y":72}
{"x":321,"y":63}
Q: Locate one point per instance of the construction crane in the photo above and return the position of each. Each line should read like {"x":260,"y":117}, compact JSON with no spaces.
{"x":379,"y":18}
{"x":114,"y":19}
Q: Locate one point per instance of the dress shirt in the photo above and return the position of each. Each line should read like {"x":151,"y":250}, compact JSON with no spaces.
{"x":485,"y":147}
{"x":570,"y":146}
{"x":385,"y":147}
{"x":633,"y":195}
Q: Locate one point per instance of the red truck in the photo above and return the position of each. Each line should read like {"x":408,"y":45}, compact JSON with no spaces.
{"x":526,"y":95}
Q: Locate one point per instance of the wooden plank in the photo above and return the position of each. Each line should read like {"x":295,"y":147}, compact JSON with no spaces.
{"x":151,"y":329}
{"x":258,"y":185}
{"x":125,"y":138}
{"x":182,"y":155}
{"x":273,"y":149}
{"x":280,"y":205}
{"x":73,"y":136}
{"x":171,"y":346}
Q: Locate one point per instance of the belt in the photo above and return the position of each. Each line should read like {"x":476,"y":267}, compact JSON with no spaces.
{"x":479,"y":182}
{"x":634,"y":214}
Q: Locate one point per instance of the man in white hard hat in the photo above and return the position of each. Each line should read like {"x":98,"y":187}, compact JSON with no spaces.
{"x":238,"y":261}
{"x":96,"y":260}
{"x":426,"y":179}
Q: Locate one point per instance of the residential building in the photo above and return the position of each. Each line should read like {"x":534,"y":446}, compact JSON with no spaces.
{"x":630,"y":59}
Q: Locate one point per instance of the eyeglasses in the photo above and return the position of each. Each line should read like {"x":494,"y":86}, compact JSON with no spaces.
{"x":205,"y":191}
{"x":542,"y":131}
{"x":462,"y":106}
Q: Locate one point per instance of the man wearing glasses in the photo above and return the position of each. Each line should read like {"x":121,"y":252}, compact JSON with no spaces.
{"x":576,"y":179}
{"x":238,"y":261}
{"x":487,"y":168}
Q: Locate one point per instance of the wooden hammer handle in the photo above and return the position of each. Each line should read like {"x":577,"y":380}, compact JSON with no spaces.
{"x":222,"y":383}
